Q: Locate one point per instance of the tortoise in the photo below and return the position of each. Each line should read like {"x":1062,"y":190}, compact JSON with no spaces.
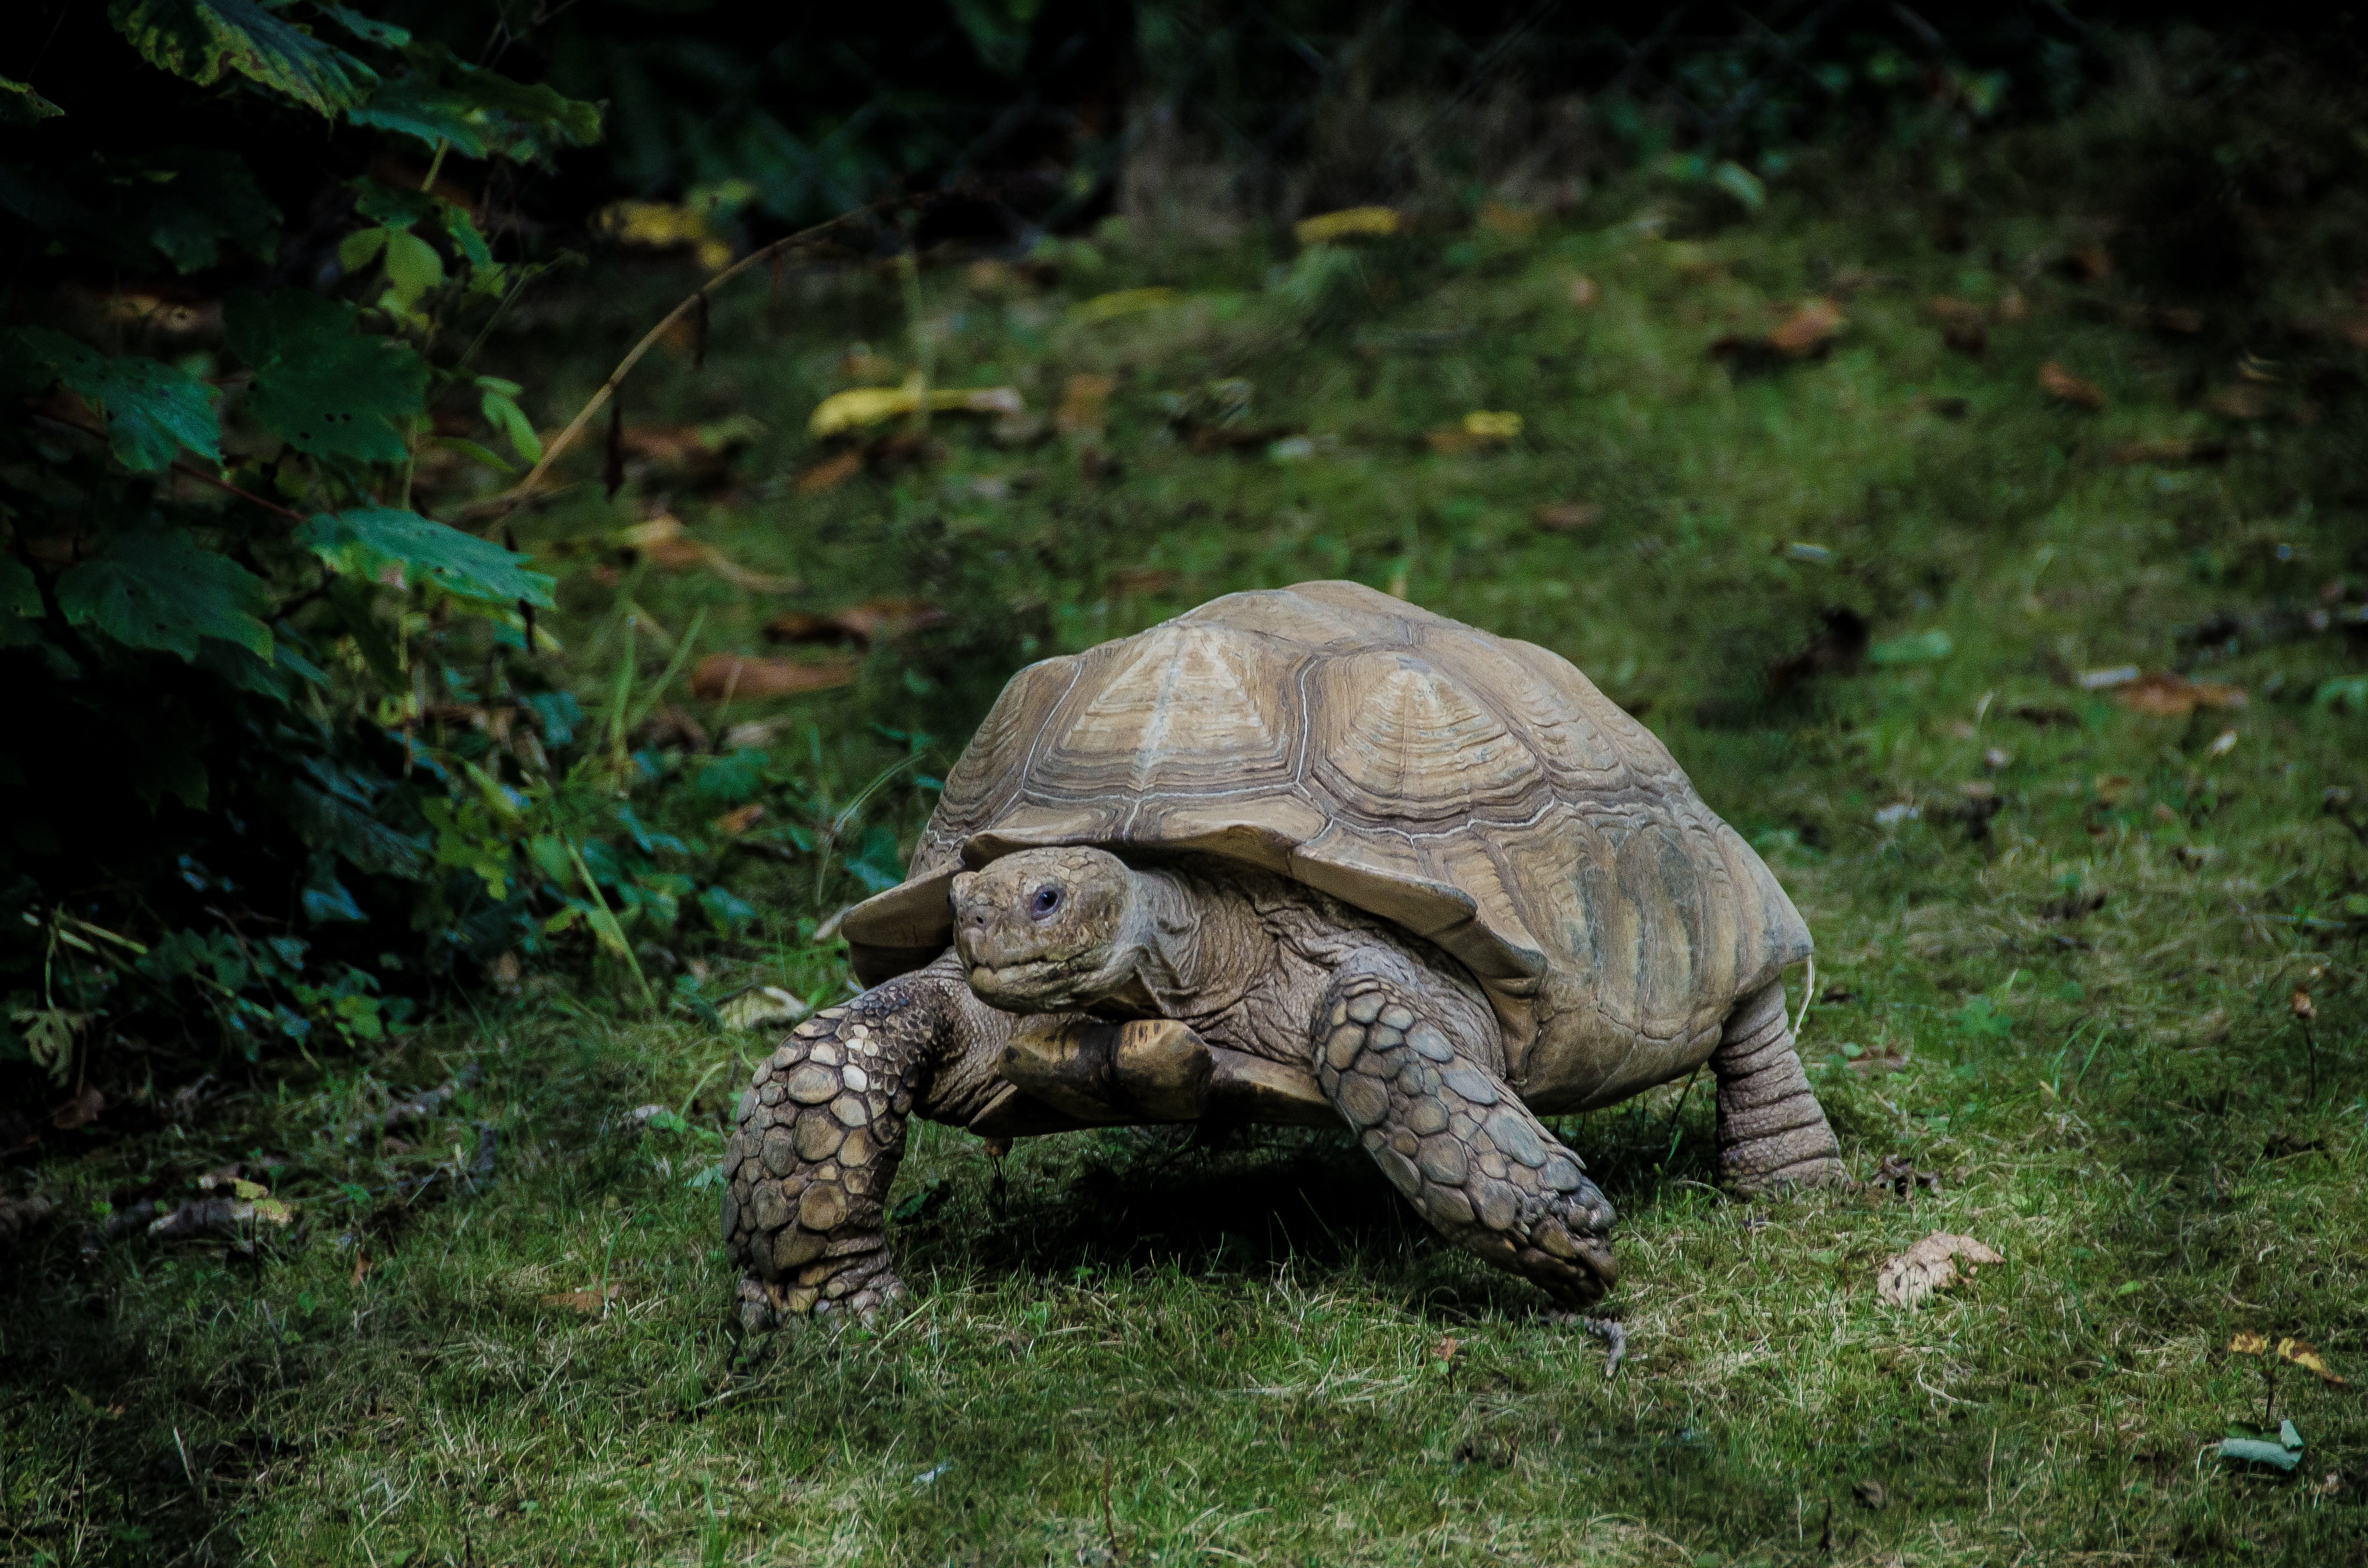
{"x":1302,"y":855}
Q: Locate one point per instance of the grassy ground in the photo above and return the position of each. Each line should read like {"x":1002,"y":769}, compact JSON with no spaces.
{"x":2059,"y":944}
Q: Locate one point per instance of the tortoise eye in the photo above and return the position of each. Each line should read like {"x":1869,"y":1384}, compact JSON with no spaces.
{"x":1047,"y":900}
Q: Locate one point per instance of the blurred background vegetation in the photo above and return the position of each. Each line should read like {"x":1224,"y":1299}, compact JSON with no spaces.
{"x":369,"y":677}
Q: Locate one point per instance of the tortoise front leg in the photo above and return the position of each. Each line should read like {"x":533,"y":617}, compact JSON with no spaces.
{"x":822,"y":1130}
{"x":1451,"y":1135}
{"x":1772,"y":1131}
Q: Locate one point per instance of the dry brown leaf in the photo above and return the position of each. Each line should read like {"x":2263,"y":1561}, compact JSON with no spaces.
{"x":2304,"y":1354}
{"x":79,"y":1111}
{"x":1569,"y":516}
{"x":2247,"y":1343}
{"x":732,"y":823}
{"x":2174,"y":695}
{"x":2064,"y":386}
{"x":1963,"y":326}
{"x":1928,"y":1266}
{"x":837,"y":471}
{"x":1807,"y":328}
{"x":720,"y":676}
{"x":1083,"y":402}
{"x":591,"y":1303}
{"x":1446,"y":1348}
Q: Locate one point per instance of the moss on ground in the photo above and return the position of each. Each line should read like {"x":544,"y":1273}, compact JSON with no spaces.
{"x":2059,"y":944}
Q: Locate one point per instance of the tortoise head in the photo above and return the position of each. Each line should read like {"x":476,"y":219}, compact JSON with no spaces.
{"x":1048,"y":931}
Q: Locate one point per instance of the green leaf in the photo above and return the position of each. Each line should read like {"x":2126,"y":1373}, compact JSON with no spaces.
{"x":391,"y":205}
{"x":201,"y":38}
{"x":477,"y":112}
{"x":209,"y":198}
{"x":320,"y":385}
{"x":156,"y":589}
{"x":366,"y":541}
{"x":361,"y":248}
{"x":369,"y":29}
{"x":19,"y":105}
{"x":1741,"y":184}
{"x":356,"y":603}
{"x":1923,"y":648}
{"x":151,"y":409}
{"x":505,"y":416}
{"x":19,"y":594}
{"x":412,"y":267}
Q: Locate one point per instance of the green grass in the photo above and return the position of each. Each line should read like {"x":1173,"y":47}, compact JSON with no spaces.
{"x":1122,"y":1349}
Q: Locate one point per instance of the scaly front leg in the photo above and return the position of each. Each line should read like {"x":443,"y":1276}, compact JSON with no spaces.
{"x":822,"y":1130}
{"x":1451,"y":1135}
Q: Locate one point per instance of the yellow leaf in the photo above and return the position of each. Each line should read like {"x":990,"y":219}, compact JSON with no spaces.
{"x":1124,"y":302}
{"x":2248,"y":1344}
{"x":843,"y":412}
{"x":1354,"y":220}
{"x":250,"y":1190}
{"x":1490,"y":426}
{"x":2304,"y":1354}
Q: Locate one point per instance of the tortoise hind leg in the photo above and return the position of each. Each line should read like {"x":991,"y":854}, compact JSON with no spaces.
{"x":1451,"y":1135}
{"x":1772,"y":1131}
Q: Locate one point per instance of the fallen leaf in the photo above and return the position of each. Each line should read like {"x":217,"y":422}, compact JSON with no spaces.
{"x":1350,"y":222}
{"x":79,"y":1111}
{"x":1446,"y":1348}
{"x":1807,"y":328}
{"x":1123,"y":302}
{"x":2304,"y":1354}
{"x":720,"y":676}
{"x":1964,"y":327}
{"x":2239,"y":402}
{"x":2284,"y":1452}
{"x":2247,"y":1343}
{"x":1081,"y":404}
{"x":664,"y":541}
{"x":842,"y":413}
{"x":760,"y":1006}
{"x":1928,"y":1266}
{"x":869,"y":622}
{"x":664,"y":225}
{"x":732,"y":823}
{"x":2174,"y":695}
{"x":1490,"y":426}
{"x":2064,"y":386}
{"x":1569,"y":516}
{"x":591,"y":1303}
{"x":824,"y":475}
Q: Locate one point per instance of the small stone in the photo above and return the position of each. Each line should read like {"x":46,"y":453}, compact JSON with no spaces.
{"x":793,"y":1246}
{"x":822,"y":1206}
{"x":857,"y":1079}
{"x":780,"y":1153}
{"x":812,"y":1083}
{"x":1342,"y":1047}
{"x":799,"y":1301}
{"x":1465,"y":1080}
{"x":1431,"y":1043}
{"x":1427,"y":1117}
{"x":1492,"y":1202}
{"x":1561,"y":1172}
{"x":771,"y":1209}
{"x":1399,"y":1169}
{"x":819,"y":1136}
{"x":1398,"y":1017}
{"x":1366,"y":1007}
{"x":852,"y":1110}
{"x":1362,"y":1099}
{"x":1443,"y":1160}
{"x":1517,"y":1135}
{"x":769,"y":1094}
{"x":829,"y":1055}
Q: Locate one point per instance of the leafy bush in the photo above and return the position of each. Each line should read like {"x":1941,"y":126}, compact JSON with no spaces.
{"x":283,"y":746}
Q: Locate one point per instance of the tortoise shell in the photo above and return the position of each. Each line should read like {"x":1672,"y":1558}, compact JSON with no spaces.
{"x":1475,"y":791}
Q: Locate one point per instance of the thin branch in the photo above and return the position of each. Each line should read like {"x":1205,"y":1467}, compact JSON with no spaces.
{"x":500,"y":506}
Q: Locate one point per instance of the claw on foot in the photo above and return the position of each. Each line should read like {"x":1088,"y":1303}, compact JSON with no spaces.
{"x":1614,"y":1336}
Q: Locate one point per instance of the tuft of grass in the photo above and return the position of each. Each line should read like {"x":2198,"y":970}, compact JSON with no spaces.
{"x":2059,"y":943}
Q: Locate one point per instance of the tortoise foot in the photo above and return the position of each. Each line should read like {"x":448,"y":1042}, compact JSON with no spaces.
{"x":1613,"y":1333}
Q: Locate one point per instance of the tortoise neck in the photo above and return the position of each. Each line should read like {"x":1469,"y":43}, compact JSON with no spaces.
{"x":1185,"y":934}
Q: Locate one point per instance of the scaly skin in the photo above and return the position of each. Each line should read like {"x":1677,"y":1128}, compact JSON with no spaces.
{"x":1771,"y":1132}
{"x":821,"y":1131}
{"x":1452,"y":1137}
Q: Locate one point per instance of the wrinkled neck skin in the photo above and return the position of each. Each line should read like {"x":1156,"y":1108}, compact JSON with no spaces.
{"x":1244,"y":956}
